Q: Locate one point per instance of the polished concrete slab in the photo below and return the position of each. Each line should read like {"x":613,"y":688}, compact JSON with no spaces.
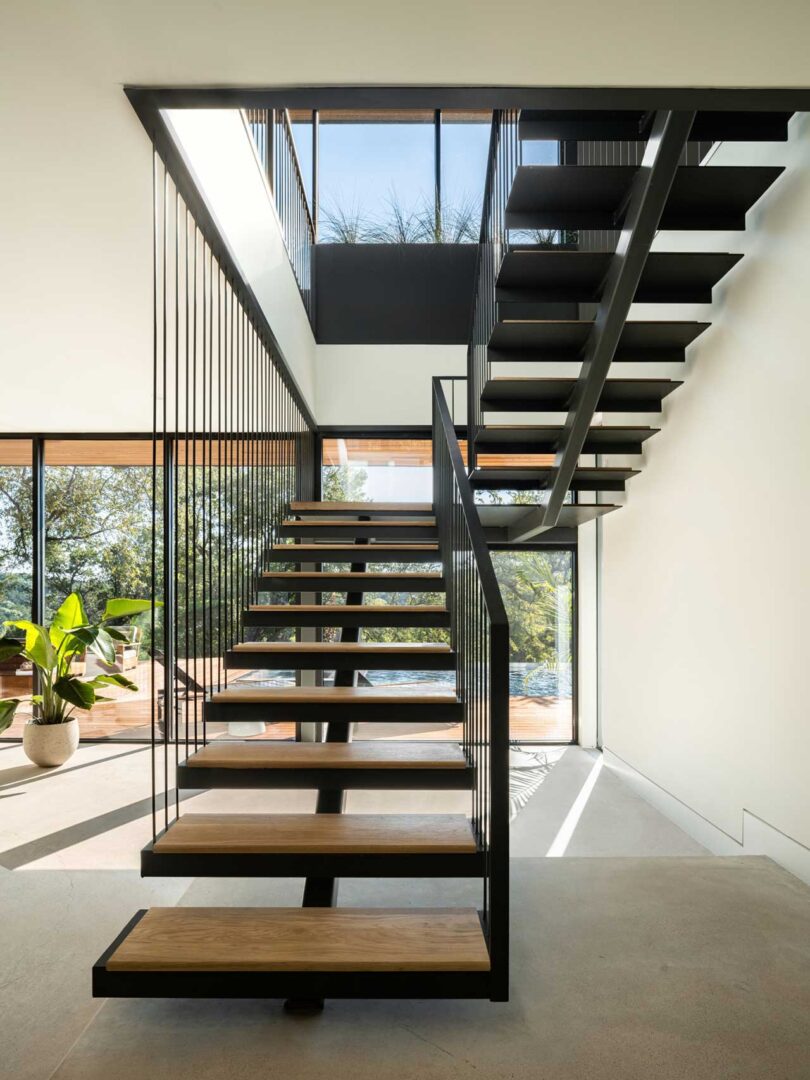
{"x":689,"y":967}
{"x":635,"y":953}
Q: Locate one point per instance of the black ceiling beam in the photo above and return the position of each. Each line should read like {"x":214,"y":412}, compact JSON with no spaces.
{"x":648,"y":197}
{"x":795,"y":99}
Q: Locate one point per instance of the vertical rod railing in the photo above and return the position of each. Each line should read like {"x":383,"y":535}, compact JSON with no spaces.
{"x":271,"y":130}
{"x":226,"y":415}
{"x":503,"y":162}
{"x":480,"y":639}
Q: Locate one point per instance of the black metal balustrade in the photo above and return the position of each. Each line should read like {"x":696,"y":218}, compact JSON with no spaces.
{"x":480,"y":638}
{"x":234,"y":444}
{"x":502,"y":163}
{"x":272,"y":133}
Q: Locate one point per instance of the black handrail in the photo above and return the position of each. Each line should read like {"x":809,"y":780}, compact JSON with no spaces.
{"x":272,"y":133}
{"x":480,"y":637}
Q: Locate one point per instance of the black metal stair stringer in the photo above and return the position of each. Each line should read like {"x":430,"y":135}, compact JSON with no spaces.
{"x":323,"y":891}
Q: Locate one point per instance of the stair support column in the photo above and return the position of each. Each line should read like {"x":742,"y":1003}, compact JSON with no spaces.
{"x":323,"y":891}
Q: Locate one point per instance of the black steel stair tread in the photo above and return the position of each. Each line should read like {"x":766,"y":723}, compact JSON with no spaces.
{"x":608,"y":125}
{"x":565,"y":338}
{"x":528,"y":274}
{"x":545,"y":439}
{"x":513,"y":393}
{"x":372,"y":754}
{"x":296,"y":940}
{"x":595,"y":196}
{"x":572,"y":515}
{"x":527,"y":478}
{"x":341,"y":655}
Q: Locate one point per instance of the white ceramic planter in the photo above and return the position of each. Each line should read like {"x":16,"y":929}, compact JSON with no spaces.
{"x":49,"y":745}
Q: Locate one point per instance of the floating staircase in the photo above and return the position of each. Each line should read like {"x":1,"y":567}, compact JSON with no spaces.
{"x":624,"y":178}
{"x":322,"y":950}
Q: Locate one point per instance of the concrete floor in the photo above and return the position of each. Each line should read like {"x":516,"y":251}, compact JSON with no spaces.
{"x":636,"y":954}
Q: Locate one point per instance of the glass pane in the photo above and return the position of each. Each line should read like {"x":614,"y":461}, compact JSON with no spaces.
{"x":98,"y":542}
{"x":15,"y":566}
{"x":376,"y":181}
{"x":539,"y":152}
{"x":377,"y":470}
{"x":465,"y":146}
{"x":537,"y":588}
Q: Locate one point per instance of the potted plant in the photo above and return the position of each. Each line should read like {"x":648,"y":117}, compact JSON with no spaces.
{"x":52,"y":735}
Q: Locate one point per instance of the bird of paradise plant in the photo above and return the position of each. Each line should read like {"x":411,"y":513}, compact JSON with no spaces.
{"x":54,"y":649}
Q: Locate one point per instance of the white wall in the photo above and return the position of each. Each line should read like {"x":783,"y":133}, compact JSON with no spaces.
{"x":706,"y":577}
{"x":75,"y":189}
{"x":217,"y":146}
{"x":382,"y":384}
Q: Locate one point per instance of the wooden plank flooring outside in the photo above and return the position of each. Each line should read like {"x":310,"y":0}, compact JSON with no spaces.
{"x":128,"y":716}
{"x":304,"y":939}
{"x":359,"y":834}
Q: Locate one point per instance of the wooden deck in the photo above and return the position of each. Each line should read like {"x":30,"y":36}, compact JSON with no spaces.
{"x":128,"y":715}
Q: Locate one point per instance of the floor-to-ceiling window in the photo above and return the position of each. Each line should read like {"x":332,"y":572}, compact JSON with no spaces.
{"x":537,"y":586}
{"x":397,"y":176}
{"x":377,"y":470}
{"x":464,"y":150}
{"x":98,"y":542}
{"x":376,"y":177}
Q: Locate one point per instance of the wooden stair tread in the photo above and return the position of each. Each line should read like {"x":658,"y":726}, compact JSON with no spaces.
{"x":406,"y":609}
{"x":363,"y":548}
{"x":364,"y":507}
{"x":357,"y":575}
{"x":365,"y":647}
{"x":371,"y":754}
{"x":417,"y":523}
{"x":324,"y":695}
{"x":367,"y":834}
{"x":303,"y":939}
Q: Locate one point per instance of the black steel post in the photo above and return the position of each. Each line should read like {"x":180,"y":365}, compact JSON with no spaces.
{"x":38,"y":524}
{"x":316,"y":138}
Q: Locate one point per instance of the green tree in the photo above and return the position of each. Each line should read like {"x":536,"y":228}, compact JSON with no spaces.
{"x":537,"y":592}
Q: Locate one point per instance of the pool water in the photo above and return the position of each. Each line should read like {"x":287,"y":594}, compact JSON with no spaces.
{"x":525,"y":680}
